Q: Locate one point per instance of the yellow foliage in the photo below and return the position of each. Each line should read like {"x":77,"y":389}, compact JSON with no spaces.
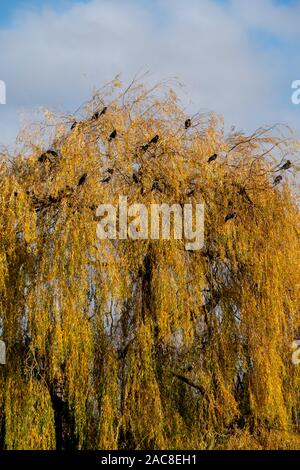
{"x":142,"y":344}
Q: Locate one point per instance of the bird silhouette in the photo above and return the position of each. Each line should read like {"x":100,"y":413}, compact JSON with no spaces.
{"x":277,"y":180}
{"x":43,"y":158}
{"x":230,"y":216}
{"x":82,"y":179}
{"x":287,"y":165}
{"x":52,"y":199}
{"x":187,"y":123}
{"x":145,"y":147}
{"x":106,"y":180}
{"x":103,"y":111}
{"x":212,"y":158}
{"x":74,"y":125}
{"x":154,"y":139}
{"x":113,"y":135}
{"x":47,"y":156}
{"x":52,"y":153}
{"x":156,"y":186}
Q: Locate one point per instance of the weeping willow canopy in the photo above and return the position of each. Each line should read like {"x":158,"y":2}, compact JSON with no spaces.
{"x":141,"y":344}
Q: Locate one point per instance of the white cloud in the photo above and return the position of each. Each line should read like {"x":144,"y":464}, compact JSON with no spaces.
{"x":279,"y":19}
{"x":55,"y":59}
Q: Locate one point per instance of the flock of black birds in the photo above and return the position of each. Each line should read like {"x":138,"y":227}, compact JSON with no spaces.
{"x":110,"y":172}
{"x":286,"y":166}
{"x":152,"y":141}
{"x":51,"y":155}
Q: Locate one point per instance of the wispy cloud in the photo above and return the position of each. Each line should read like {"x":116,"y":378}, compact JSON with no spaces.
{"x":236,"y":57}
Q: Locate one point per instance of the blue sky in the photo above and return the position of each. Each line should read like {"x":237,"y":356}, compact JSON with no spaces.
{"x":235,"y":57}
{"x":10,"y":7}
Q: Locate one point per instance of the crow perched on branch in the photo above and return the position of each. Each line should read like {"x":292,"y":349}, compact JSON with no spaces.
{"x":113,"y":135}
{"x":187,"y":123}
{"x":157,"y":186}
{"x":277,"y":180}
{"x":230,"y":216}
{"x":145,"y":147}
{"x":212,"y":158}
{"x":47,"y":156}
{"x":106,"y":180}
{"x":96,"y":115}
{"x":82,"y":179}
{"x":287,"y":165}
{"x":154,"y":140}
{"x":103,"y":111}
{"x":135,"y":178}
{"x":52,"y":199}
{"x":43,"y":158}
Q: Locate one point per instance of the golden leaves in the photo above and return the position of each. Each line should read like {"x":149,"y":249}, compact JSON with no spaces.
{"x":112,"y":321}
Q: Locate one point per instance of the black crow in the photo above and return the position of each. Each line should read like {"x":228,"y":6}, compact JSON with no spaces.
{"x":212,"y":158}
{"x":287,"y":165}
{"x":52,"y":153}
{"x":230,"y":216}
{"x":47,"y":156}
{"x":145,"y":147}
{"x":74,"y":125}
{"x":135,"y":178}
{"x":103,"y":111}
{"x":43,"y":158}
{"x":154,"y":140}
{"x":156,"y":186}
{"x":187,"y":123}
{"x":106,"y":180}
{"x":113,"y":135}
{"x":277,"y":180}
{"x":82,"y":179}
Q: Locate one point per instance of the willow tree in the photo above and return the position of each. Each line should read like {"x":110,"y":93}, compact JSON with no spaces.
{"x":141,"y":344}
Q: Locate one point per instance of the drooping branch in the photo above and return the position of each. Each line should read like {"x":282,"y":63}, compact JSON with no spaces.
{"x":189,"y":382}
